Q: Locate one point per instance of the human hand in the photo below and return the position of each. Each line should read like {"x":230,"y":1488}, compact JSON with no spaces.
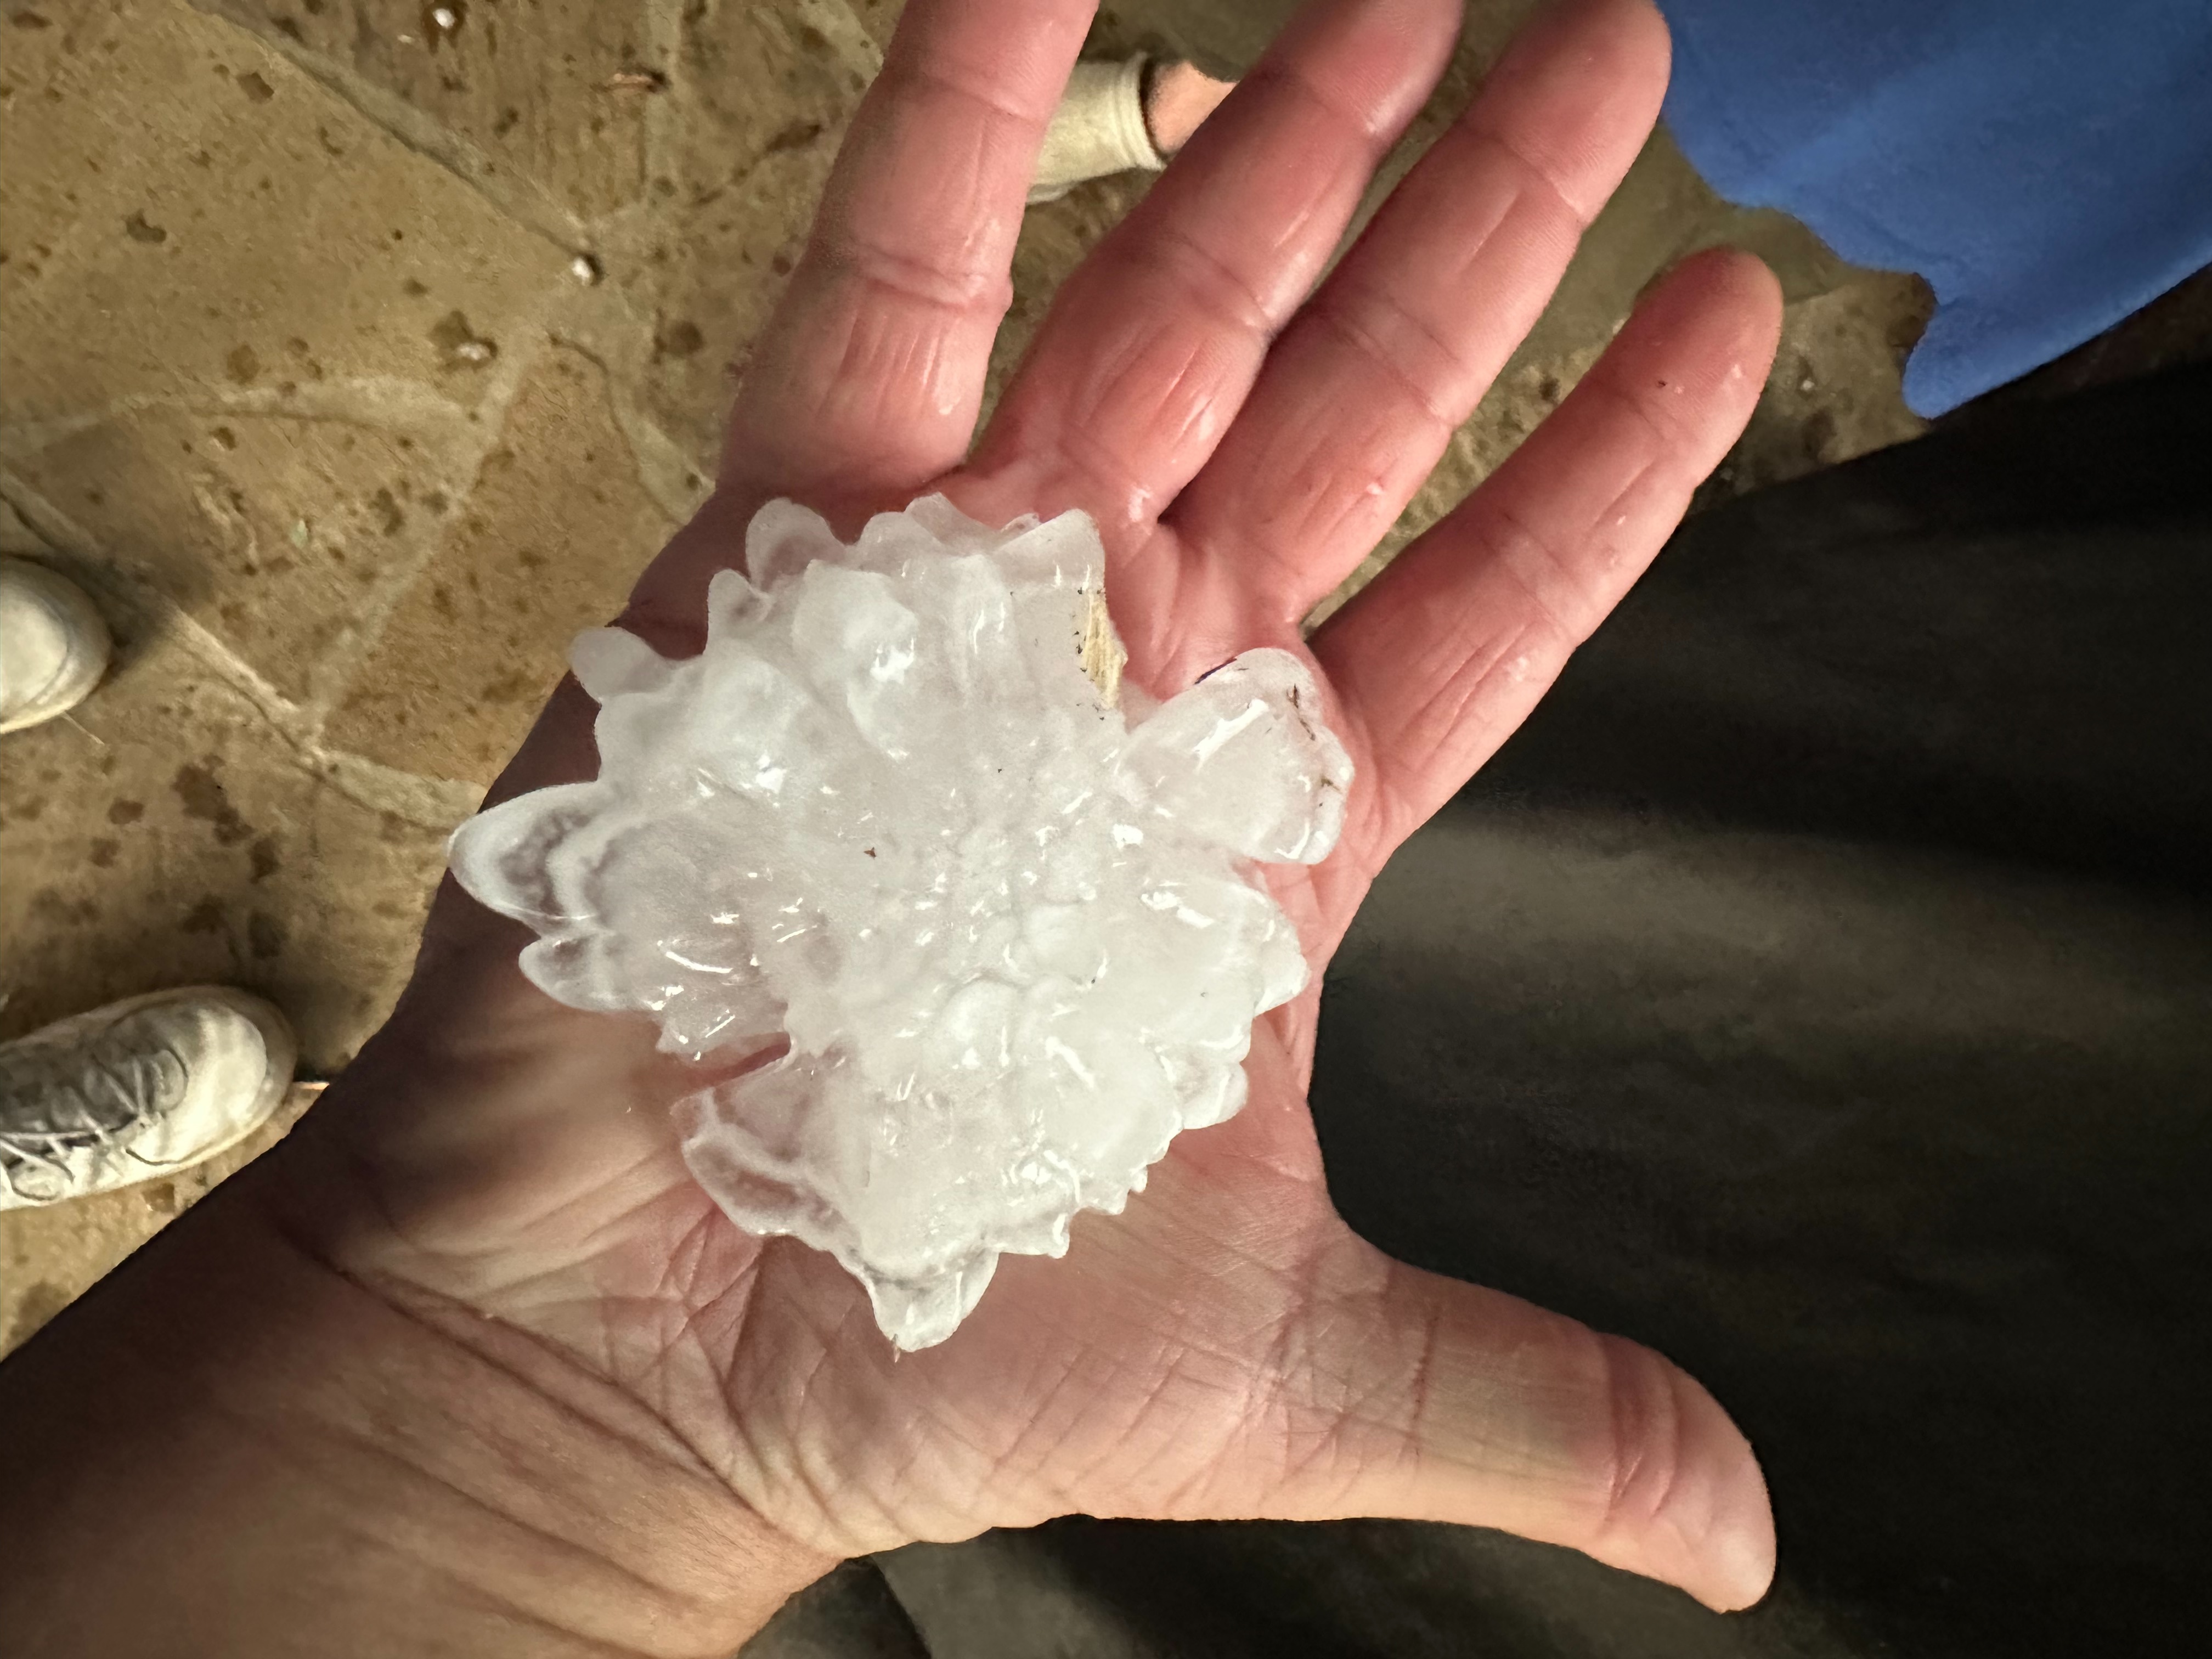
{"x":506,"y":1168}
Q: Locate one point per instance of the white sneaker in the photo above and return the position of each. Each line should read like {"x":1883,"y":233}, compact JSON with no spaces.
{"x":139,"y":1088}
{"x":53,"y":645}
{"x":1099,"y":128}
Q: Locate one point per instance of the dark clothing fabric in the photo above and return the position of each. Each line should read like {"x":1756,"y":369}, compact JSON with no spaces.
{"x":1819,"y":989}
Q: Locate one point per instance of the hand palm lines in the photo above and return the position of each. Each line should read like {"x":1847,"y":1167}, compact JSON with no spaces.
{"x":1225,"y":1346}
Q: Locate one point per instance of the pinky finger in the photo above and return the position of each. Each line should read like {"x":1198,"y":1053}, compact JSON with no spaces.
{"x":1444,"y":655}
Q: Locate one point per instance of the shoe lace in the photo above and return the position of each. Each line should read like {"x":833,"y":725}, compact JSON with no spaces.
{"x":58,"y":1101}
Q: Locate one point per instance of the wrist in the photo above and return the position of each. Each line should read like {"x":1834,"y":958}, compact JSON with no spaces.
{"x":278,"y":1457}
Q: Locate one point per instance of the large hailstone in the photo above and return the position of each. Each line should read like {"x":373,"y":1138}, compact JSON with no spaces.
{"x":1017,"y":942}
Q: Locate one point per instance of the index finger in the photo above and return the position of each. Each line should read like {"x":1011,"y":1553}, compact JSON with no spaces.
{"x":870,"y":375}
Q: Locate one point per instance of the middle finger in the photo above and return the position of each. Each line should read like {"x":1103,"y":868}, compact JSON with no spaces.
{"x":1152,"y":344}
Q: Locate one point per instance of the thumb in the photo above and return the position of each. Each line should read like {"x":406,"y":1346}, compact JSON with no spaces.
{"x":1445,"y":1402}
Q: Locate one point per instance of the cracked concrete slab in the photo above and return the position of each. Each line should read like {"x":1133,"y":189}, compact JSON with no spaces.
{"x":183,"y":205}
{"x":546,"y":108}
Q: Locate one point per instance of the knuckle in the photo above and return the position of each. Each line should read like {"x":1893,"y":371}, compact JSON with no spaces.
{"x":1640,"y":1455}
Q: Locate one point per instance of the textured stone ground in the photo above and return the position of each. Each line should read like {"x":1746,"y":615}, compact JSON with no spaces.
{"x":354,"y":364}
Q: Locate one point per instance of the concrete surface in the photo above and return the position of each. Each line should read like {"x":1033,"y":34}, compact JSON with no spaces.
{"x":354,"y":365}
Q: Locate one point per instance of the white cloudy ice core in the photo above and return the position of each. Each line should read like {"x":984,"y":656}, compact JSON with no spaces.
{"x":1016,"y":941}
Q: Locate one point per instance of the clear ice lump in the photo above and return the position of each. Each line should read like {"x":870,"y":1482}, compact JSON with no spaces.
{"x":1017,"y":939}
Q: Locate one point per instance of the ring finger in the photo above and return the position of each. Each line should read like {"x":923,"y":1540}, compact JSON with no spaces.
{"x":1367,"y":385}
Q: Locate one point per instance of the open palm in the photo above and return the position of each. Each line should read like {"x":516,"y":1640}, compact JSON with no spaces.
{"x":1226,"y":1348}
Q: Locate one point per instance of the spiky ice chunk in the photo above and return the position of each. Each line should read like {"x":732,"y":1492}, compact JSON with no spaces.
{"x":1016,"y":943}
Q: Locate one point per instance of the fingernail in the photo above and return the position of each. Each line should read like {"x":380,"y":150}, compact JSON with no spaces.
{"x":1741,"y":1546}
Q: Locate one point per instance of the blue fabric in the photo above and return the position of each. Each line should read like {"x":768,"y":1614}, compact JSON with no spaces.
{"x":2046,"y":164}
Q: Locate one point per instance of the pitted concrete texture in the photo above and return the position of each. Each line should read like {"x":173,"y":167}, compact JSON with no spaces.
{"x":354,"y":361}
{"x":458,"y":671}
